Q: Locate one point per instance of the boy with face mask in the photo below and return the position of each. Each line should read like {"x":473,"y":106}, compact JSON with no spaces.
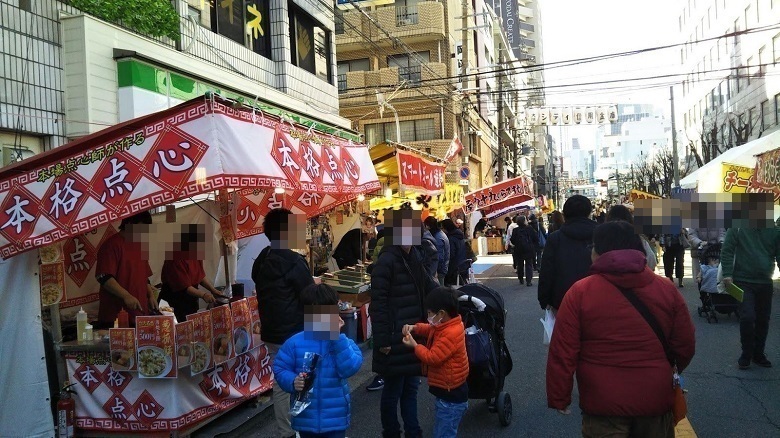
{"x":444,"y":356}
{"x":339,"y":359}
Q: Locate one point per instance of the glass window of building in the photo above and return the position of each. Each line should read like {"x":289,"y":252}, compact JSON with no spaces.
{"x":245,"y":22}
{"x":309,"y":44}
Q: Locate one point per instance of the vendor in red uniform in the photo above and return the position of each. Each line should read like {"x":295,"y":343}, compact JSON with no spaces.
{"x":183,"y":272}
{"x":123,"y":272}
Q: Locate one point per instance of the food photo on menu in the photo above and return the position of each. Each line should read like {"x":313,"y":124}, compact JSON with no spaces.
{"x":201,"y":342}
{"x":122,"y":349}
{"x":156,"y":342}
{"x":242,"y":326}
{"x":255,"y":318}
{"x":184,"y":343}
{"x":222,"y":332}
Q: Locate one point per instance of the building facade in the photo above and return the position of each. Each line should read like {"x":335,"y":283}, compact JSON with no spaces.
{"x":730,"y":94}
{"x":447,"y":69}
{"x":66,"y":73}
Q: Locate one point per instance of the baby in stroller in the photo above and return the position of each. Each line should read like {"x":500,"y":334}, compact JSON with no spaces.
{"x":708,"y":278}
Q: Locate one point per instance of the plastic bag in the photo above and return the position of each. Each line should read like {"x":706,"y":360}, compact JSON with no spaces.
{"x":548,"y":322}
{"x":302,"y":399}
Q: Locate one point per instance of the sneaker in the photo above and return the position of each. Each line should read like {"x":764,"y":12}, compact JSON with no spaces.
{"x":744,"y":362}
{"x":529,"y":284}
{"x":376,"y":385}
{"x":762,"y":361}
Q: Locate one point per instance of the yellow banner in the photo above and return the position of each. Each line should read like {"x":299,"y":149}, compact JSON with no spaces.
{"x":451,"y":199}
{"x":736,"y":179}
{"x":638,"y":194}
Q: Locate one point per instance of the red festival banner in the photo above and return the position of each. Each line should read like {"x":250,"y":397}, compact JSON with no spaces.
{"x":200,"y":146}
{"x":415,"y":172}
{"x":455,"y":147}
{"x":767,"y":174}
{"x":521,"y":188}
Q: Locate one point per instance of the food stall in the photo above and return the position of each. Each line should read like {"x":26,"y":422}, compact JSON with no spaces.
{"x":499,"y":199}
{"x":57,"y":208}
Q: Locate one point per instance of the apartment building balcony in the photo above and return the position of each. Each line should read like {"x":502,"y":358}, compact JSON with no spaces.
{"x":412,"y":24}
{"x":357,"y":87}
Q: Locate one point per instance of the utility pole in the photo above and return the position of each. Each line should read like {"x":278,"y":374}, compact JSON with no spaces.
{"x":675,"y":158}
{"x":464,"y":47}
{"x":500,"y":113}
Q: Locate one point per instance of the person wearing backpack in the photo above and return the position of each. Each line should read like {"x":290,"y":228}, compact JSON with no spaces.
{"x":536,"y":224}
{"x":526,"y":241}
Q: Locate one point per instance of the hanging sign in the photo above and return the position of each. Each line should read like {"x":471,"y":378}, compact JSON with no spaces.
{"x":598,"y":115}
{"x":521,"y":186}
{"x":767,"y":174}
{"x":415,"y":172}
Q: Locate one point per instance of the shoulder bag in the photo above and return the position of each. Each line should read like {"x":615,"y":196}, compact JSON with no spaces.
{"x":680,"y":408}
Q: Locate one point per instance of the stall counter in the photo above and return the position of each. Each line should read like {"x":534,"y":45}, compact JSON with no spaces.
{"x":117,"y":402}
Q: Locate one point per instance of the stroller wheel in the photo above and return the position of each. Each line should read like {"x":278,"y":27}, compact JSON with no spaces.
{"x":504,"y":407}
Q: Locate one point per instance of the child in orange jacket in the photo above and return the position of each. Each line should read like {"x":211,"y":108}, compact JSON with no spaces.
{"x":444,"y":357}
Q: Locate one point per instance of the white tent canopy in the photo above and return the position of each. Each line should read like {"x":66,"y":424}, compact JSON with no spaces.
{"x":707,"y":179}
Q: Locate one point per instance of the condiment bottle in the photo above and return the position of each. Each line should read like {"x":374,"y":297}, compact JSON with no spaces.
{"x":88,"y":333}
{"x":81,"y":324}
{"x":124,"y":319}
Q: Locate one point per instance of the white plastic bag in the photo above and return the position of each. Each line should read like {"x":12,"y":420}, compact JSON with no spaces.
{"x":548,"y":322}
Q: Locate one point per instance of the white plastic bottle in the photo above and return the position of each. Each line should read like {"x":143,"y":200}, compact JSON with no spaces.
{"x":81,"y":324}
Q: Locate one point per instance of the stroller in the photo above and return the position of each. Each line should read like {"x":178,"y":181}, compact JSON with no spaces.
{"x":482,"y":310}
{"x":715,"y":302}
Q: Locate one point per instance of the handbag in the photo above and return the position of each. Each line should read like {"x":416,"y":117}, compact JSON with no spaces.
{"x":680,"y":407}
{"x":479,"y":346}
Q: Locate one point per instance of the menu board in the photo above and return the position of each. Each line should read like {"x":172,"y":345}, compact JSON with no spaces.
{"x":122,"y":349}
{"x":184,"y":343}
{"x":254,"y":314}
{"x":156,"y":343}
{"x":201,"y":342}
{"x":52,"y":282}
{"x":242,"y":326}
{"x":222,"y":334}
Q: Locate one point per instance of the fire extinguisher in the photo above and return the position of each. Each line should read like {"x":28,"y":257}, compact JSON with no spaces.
{"x":66,"y":412}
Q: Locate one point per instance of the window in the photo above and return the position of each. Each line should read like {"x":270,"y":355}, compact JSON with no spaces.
{"x":776,"y":48}
{"x":345,"y":67}
{"x":309,"y":44}
{"x":751,"y":65}
{"x":752,"y":121}
{"x":748,"y":17}
{"x":411,"y":130}
{"x":766,"y":115}
{"x":777,"y":109}
{"x":247,"y":25}
{"x":762,"y":60}
{"x":409,"y":67}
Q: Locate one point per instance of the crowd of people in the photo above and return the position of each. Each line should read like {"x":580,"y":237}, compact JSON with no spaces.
{"x":621,"y":329}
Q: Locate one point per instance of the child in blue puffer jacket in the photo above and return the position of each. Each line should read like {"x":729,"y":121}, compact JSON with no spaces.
{"x":328,"y":415}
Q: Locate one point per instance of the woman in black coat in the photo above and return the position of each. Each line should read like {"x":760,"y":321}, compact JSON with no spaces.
{"x":399,"y":285}
{"x":526,"y":240}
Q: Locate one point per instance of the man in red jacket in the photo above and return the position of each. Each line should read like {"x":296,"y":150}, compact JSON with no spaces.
{"x":623,"y":374}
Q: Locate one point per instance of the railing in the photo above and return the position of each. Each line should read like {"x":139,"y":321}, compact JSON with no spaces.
{"x":342,"y":82}
{"x":412,"y":74}
{"x":406,"y":15}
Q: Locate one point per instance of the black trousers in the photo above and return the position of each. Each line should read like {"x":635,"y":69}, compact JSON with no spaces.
{"x":673,"y":261}
{"x":754,"y":315}
{"x":525,"y":265}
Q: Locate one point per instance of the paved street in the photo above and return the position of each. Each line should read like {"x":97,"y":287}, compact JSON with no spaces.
{"x":723,"y":401}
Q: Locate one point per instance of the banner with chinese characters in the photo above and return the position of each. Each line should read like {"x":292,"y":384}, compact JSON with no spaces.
{"x":736,"y":178}
{"x":521,"y":188}
{"x":110,"y":401}
{"x":417,"y":173}
{"x":766,"y":178}
{"x":52,"y":277}
{"x":251,"y":206}
{"x":197,"y":147}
